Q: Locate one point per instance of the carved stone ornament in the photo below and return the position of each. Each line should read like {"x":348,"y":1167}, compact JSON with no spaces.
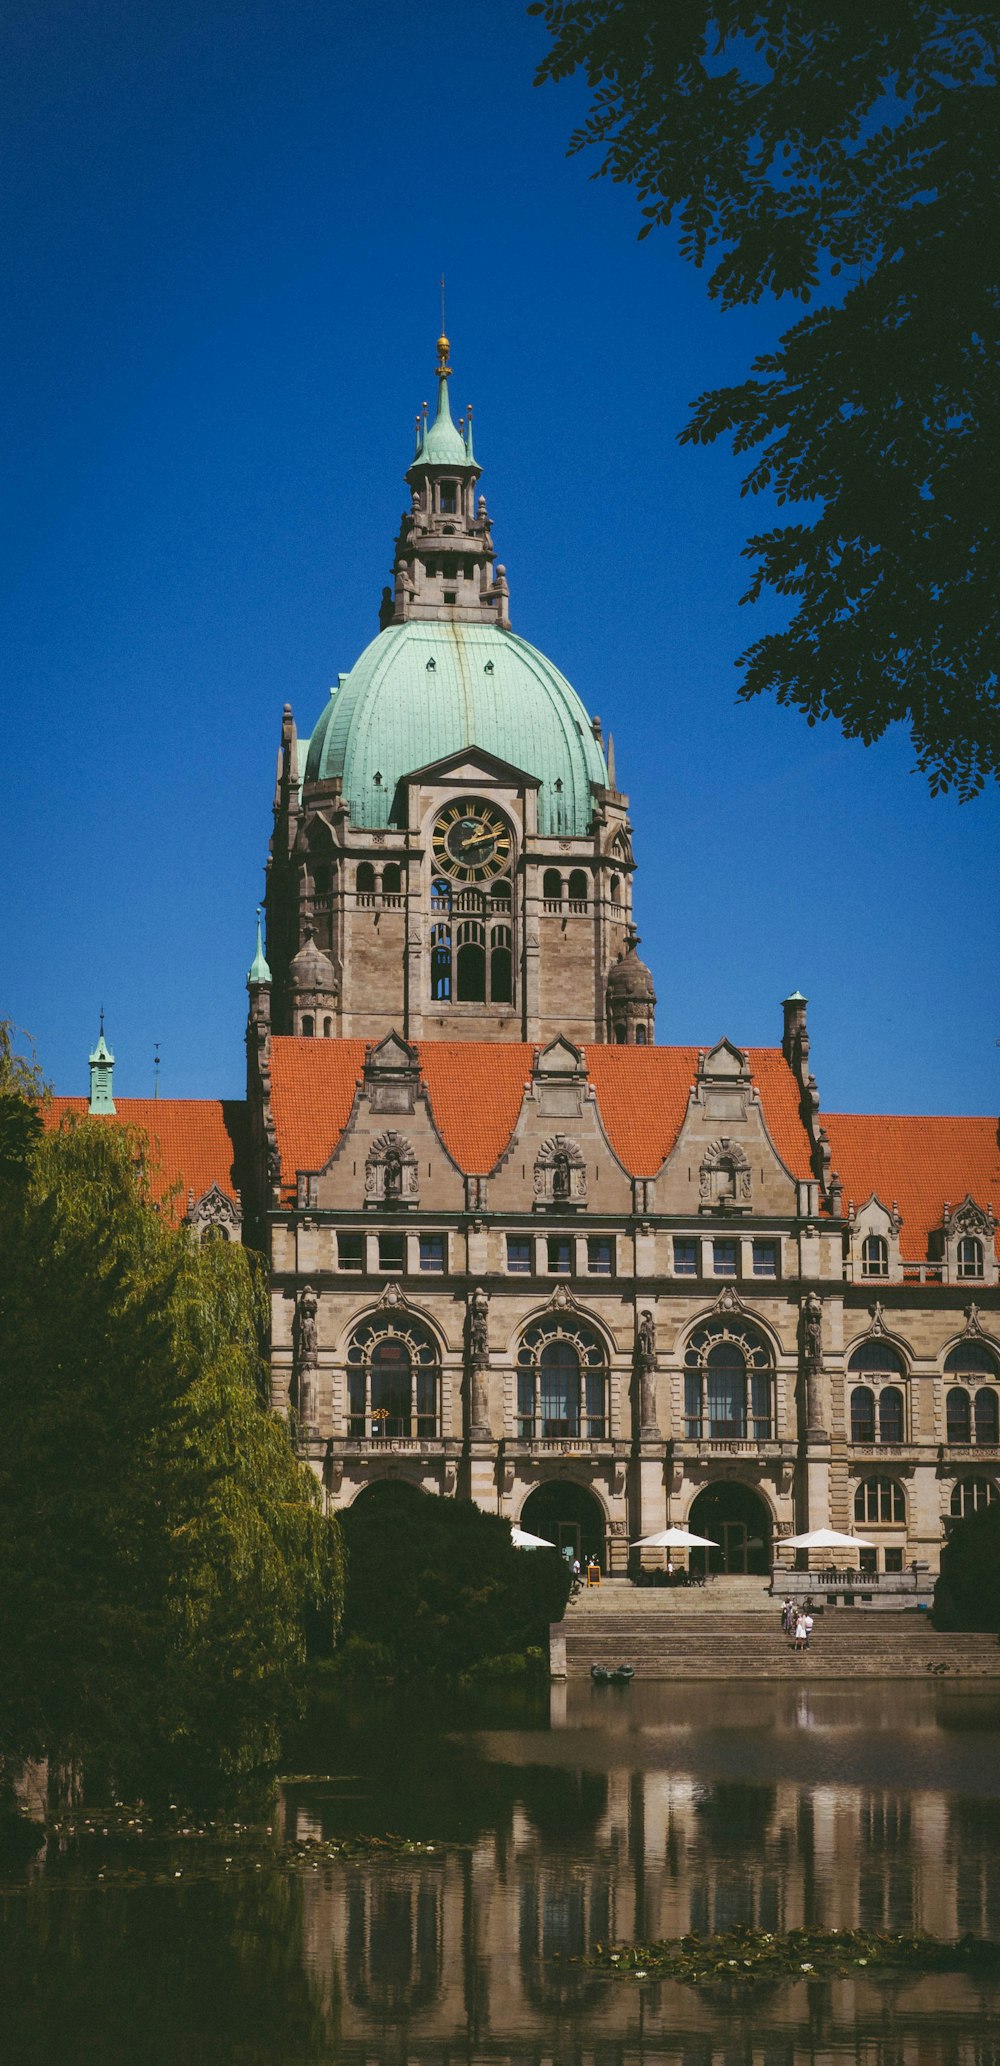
{"x":391,"y":1171}
{"x":561,"y":1298}
{"x":973,"y":1320}
{"x":878,"y":1318}
{"x":560,"y":1176}
{"x":215,"y":1213}
{"x":811,"y":1323}
{"x":969,"y":1218}
{"x":645,"y":1356}
{"x":306,"y":1356}
{"x":479,"y":1326}
{"x":392,"y":1296}
{"x":727,"y":1302}
{"x":724,"y":1175}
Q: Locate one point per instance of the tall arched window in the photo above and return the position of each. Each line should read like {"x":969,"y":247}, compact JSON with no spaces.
{"x":578,"y":887}
{"x":879,"y":1499}
{"x":365,"y":883}
{"x":728,"y":1379}
{"x":501,"y":965}
{"x":972,"y":1496}
{"x":616,"y":889}
{"x":393,"y":1381}
{"x":552,"y":886}
{"x":470,"y":962}
{"x":970,"y":1256}
{"x":875,"y":1255}
{"x":958,"y":1416}
{"x":890,"y":1414}
{"x":977,"y":1404}
{"x":392,"y":879}
{"x":440,"y":963}
{"x":987,"y":1417}
{"x":561,"y":1382}
{"x":862,"y":1414}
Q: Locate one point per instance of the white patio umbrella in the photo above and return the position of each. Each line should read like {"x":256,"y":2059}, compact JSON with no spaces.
{"x":823,"y":1538}
{"x":522,"y":1540}
{"x":674,"y":1538}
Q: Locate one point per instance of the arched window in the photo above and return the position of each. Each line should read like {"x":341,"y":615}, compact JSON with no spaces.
{"x":862,"y":1414}
{"x":970,"y":1256}
{"x":958,"y":1416}
{"x":322,"y":879}
{"x":327,"y":1028}
{"x":500,"y":893}
{"x":616,"y":889}
{"x":365,"y":882}
{"x":875,"y":1255}
{"x":621,"y":1036}
{"x":972,"y":1496}
{"x":440,"y":894}
{"x":470,"y":963}
{"x":640,"y":1036}
{"x":440,"y":963}
{"x":561,"y":1382}
{"x":987,"y":1417}
{"x":578,"y":887}
{"x":501,"y":966}
{"x":308,"y":1025}
{"x":392,"y":1381}
{"x":890,"y":1414}
{"x":728,"y":1383}
{"x":879,"y":1499}
{"x":877,"y":1358}
{"x":971,"y":1359}
{"x":392,"y":879}
{"x":552,"y":886}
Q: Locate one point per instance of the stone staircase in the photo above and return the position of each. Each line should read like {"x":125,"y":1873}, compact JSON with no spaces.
{"x":725,"y":1632}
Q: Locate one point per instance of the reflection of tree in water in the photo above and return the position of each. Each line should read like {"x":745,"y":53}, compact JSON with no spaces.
{"x":202,"y":1974}
{"x":563,"y":1804}
{"x":736,"y":1817}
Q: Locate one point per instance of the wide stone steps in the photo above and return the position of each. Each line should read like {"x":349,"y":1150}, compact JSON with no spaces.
{"x":811,"y":1664}
{"x":717,"y":1645}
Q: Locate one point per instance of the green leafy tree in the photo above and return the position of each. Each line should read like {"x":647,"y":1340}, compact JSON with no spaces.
{"x":437,"y":1585}
{"x":23,"y":1096}
{"x":967,"y":1594}
{"x":161,"y":1549}
{"x":849,"y":152}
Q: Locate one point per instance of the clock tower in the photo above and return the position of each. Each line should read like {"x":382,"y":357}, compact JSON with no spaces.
{"x":451,"y":858}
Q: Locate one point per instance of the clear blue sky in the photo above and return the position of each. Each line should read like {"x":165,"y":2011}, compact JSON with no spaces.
{"x":224,"y":229}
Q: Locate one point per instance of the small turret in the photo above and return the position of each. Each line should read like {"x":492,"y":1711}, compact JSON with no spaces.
{"x":102,"y":1064}
{"x":443,"y":561}
{"x":631,"y":998}
{"x":312,"y":990}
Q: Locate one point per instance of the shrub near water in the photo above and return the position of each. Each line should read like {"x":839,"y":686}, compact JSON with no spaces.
{"x":967,"y":1594}
{"x":438,"y":1587}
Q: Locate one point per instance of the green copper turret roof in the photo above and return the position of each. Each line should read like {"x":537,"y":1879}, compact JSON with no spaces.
{"x":440,"y":444}
{"x":258,"y":971}
{"x":423,"y":690}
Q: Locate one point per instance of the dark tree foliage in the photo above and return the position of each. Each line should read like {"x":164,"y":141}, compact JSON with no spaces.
{"x":439,"y":1586}
{"x":967,"y":1594}
{"x":161,"y":1549}
{"x":850,"y":152}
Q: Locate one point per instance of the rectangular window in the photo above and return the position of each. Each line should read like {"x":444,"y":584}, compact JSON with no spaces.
{"x":724,"y":1258}
{"x":600,"y":1255}
{"x":391,"y":1251}
{"x":432,"y":1251}
{"x":893,"y":1559}
{"x":560,"y":1256}
{"x":519,"y":1255}
{"x":765,"y":1258}
{"x":448,"y":497}
{"x":692,"y":1405}
{"x":685,"y":1258}
{"x":350,"y":1251}
{"x":868,"y":1562}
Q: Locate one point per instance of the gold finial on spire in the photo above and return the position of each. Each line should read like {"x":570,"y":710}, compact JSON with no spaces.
{"x":443,"y":345}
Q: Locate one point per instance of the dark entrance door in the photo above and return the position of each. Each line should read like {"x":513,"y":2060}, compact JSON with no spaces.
{"x":569,"y":1516}
{"x":736,"y":1518}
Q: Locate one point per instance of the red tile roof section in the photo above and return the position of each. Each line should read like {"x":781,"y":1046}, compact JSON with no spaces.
{"x":475,"y":1089}
{"x":194,"y":1142}
{"x":312,"y":1090}
{"x":922,"y":1163}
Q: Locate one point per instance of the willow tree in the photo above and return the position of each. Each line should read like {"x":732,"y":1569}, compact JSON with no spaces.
{"x":162,"y":1551}
{"x":848,"y":157}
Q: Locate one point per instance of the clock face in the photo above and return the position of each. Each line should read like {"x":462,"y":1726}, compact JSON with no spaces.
{"x":471,"y":841}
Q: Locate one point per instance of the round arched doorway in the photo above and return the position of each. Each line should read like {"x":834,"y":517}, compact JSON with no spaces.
{"x":568,"y":1515}
{"x":736,"y":1518}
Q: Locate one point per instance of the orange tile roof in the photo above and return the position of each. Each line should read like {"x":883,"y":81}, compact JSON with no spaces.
{"x":194,"y":1142}
{"x":922,"y":1163}
{"x":312,"y":1090}
{"x":475,"y":1088}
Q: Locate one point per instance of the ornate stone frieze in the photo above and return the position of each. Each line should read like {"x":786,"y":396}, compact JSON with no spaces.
{"x":391,"y":1174}
{"x":560,"y":1176}
{"x":724,"y":1178}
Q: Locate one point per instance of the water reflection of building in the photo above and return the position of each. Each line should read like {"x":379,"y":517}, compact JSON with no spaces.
{"x":476,"y":1949}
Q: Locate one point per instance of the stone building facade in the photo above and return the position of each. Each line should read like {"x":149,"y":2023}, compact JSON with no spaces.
{"x":519,"y":1253}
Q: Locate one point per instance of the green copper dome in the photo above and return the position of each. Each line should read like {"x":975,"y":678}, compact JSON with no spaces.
{"x":423,"y":690}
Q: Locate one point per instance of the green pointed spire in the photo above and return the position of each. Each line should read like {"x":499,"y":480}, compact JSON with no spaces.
{"x":441,"y":444}
{"x":102,"y":1064}
{"x":259,"y":971}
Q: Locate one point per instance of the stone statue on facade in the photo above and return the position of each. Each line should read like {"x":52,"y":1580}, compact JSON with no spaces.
{"x":811,"y":1335}
{"x":479,"y":1356}
{"x":306,"y":1355}
{"x":393,"y":1176}
{"x":645,"y":1355}
{"x":560,"y":1175}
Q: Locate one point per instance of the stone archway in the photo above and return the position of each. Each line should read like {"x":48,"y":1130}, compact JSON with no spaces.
{"x":568,"y":1515}
{"x":739,"y":1520}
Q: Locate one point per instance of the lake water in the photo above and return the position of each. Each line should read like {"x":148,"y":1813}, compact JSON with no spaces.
{"x":646,"y":1811}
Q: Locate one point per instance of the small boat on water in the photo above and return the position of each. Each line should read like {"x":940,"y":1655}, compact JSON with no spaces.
{"x":612,"y":1674}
